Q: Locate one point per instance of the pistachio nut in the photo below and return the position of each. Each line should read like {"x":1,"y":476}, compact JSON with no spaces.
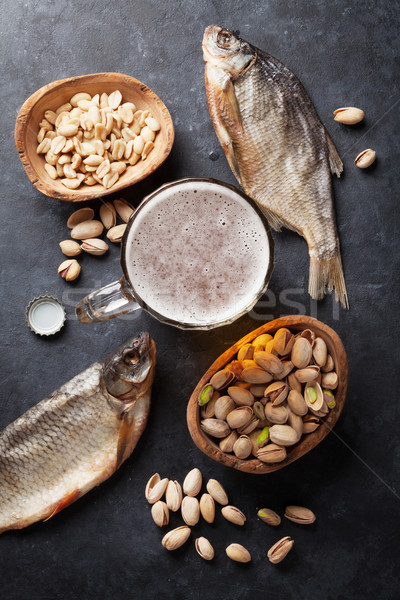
{"x":283,"y":341}
{"x":269,"y":362}
{"x":241,"y":396}
{"x":221,"y":379}
{"x":192,"y":482}
{"x":249,"y":427}
{"x":242,"y":447}
{"x":216,"y":427}
{"x":255,"y":374}
{"x":278,"y":551}
{"x":329,"y":398}
{"x":173,"y":495}
{"x":272,"y":453}
{"x":323,"y":411}
{"x":283,"y":435}
{"x":269,"y":516}
{"x":94,"y":246}
{"x":79,"y":216}
{"x":204,"y":548}
{"x":308,"y":334}
{"x":269,"y":348}
{"x":108,"y":215}
{"x":115,"y":234}
{"x":233,"y":514}
{"x":208,"y":410}
{"x":238,"y":418}
{"x":301,"y":353}
{"x":205,"y":394}
{"x":320,"y":351}
{"x":330,"y":380}
{"x":246,"y":352}
{"x":238,"y":553}
{"x":215,"y":489}
{"x":176,"y":538}
{"x":258,"y":410}
{"x":294,"y":383}
{"x":226,"y":445}
{"x":348,"y":115}
{"x":257,"y":390}
{"x":276,"y":414}
{"x":155,"y":488}
{"x":207,"y":507}
{"x":262,"y":340}
{"x":124,"y":209}
{"x":263,"y":437}
{"x":297,"y":403}
{"x":69,"y":269}
{"x":70,"y":248}
{"x":310,"y":423}
{"x":160,"y":513}
{"x":190,"y":510}
{"x":287,"y":368}
{"x":329,"y":365}
{"x":313,"y":395}
{"x":236,"y":367}
{"x":223,"y":406}
{"x":307,"y":374}
{"x":87,"y":229}
{"x":296,"y":423}
{"x":276,"y":392}
{"x":299,"y":514}
{"x":253,"y":438}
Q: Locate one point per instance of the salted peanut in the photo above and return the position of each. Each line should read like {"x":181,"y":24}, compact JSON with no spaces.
{"x":152,"y":123}
{"x":128,"y":134}
{"x":79,"y":96}
{"x":128,"y":149}
{"x":234,"y":515}
{"x":51,"y":158}
{"x":115,"y":234}
{"x":93,"y":160}
{"x":44,"y":146}
{"x":348,"y":115}
{"x":118,"y":166}
{"x":76,"y":112}
{"x":68,"y":130}
{"x":50,"y":135}
{"x":119,"y":149}
{"x":72,"y":184}
{"x":110,"y":179}
{"x":46,"y":125}
{"x":59,"y":169}
{"x":126,"y":113}
{"x":84,"y":104}
{"x":103,"y":168}
{"x":238,"y":553}
{"x":69,"y":269}
{"x":138,"y":145}
{"x":365,"y":158}
{"x":143,"y":117}
{"x":68,"y":146}
{"x":115,"y":99}
{"x":51,"y":171}
{"x":148,"y":147}
{"x":104,"y":100}
{"x":40,"y":136}
{"x":176,"y":538}
{"x":70,"y":248}
{"x":94,"y":115}
{"x":215,"y":489}
{"x":100,"y":132}
{"x":280,"y":550}
{"x":64,"y":108}
{"x":204,"y":548}
{"x":147,"y":134}
{"x":69,"y":171}
{"x":76,"y":161}
{"x":50,"y":116}
{"x":173,"y":495}
{"x":89,"y":180}
{"x":134,"y":158}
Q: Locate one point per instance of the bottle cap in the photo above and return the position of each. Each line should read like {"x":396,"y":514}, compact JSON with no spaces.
{"x":45,"y":315}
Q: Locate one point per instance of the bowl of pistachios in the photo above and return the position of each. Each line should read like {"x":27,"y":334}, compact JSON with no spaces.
{"x":271,"y":397}
{"x":89,"y":136}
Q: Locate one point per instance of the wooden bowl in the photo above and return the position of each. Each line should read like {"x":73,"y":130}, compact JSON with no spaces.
{"x":308,"y":442}
{"x":55,"y":94}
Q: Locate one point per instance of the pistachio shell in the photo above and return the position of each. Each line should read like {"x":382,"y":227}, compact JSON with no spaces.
{"x":79,"y":216}
{"x":215,"y":427}
{"x":269,"y":362}
{"x":296,"y":403}
{"x":246,"y":352}
{"x":296,"y":423}
{"x":173,"y":495}
{"x":115,"y":234}
{"x":205,"y":394}
{"x":257,"y":390}
{"x":87,"y":229}
{"x":215,"y":489}
{"x":301,"y":353}
{"x":310,"y":423}
{"x":276,"y":392}
{"x":176,"y":538}
{"x":348,"y":115}
{"x":192,"y":482}
{"x":221,"y":379}
{"x":307,"y":374}
{"x":269,"y":516}
{"x":223,"y":406}
{"x":329,"y":365}
{"x":294,"y":383}
{"x":208,"y":410}
{"x":299,"y":514}
{"x":330,"y":380}
{"x":204,"y":548}
{"x":283,"y":341}
{"x":207,"y":508}
{"x":283,"y":435}
{"x":313,"y":395}
{"x":69,"y":269}
{"x":262,"y":339}
{"x":124,"y":209}
{"x":70,"y":248}
{"x":234,"y":515}
{"x":239,"y":417}
{"x":190,"y":510}
{"x":249,"y":427}
{"x":155,"y":488}
{"x":94,"y":246}
{"x":280,"y":550}
{"x":276,"y":414}
{"x":242,"y":447}
{"x":226,"y":445}
{"x":160,"y":513}
{"x":320,"y":351}
{"x":255,"y":374}
{"x":238,"y":553}
{"x":108,"y":215}
{"x":272,"y":453}
{"x":241,"y":396}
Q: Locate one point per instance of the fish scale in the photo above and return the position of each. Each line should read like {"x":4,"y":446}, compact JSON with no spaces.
{"x":69,"y":443}
{"x":277,"y":148}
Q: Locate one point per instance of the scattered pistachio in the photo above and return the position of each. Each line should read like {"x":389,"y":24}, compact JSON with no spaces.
{"x":94,"y":246}
{"x":192,"y":482}
{"x":190,"y":510}
{"x":365,"y":159}
{"x":238,"y":553}
{"x":115,"y":234}
{"x":204,"y":548}
{"x":207,"y":508}
{"x":80,"y":215}
{"x":349,"y":115}
{"x":70,"y":248}
{"x":269,"y":516}
{"x":215,"y":489}
{"x":69,"y":269}
{"x":175,"y":538}
{"x":299,"y":514}
{"x":173,"y":495}
{"x":205,"y":394}
{"x":160,"y":513}
{"x":233,"y":514}
{"x":280,"y":550}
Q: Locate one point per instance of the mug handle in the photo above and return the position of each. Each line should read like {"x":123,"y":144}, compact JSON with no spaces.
{"x":106,"y":303}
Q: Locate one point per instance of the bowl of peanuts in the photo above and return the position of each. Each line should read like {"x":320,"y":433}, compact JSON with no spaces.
{"x":89,"y":136}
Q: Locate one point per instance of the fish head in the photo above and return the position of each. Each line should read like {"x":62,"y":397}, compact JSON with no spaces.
{"x":225,"y":50}
{"x":130,"y":369}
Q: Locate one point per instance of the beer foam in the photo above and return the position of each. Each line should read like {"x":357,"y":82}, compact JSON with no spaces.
{"x":197,"y":253}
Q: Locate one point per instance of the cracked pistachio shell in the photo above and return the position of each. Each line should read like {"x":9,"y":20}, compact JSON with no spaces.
{"x":204,"y":548}
{"x":124,"y":209}
{"x":223,"y":406}
{"x":94,"y":246}
{"x":87,"y":229}
{"x":307,"y":374}
{"x":238,"y":553}
{"x":215,"y":427}
{"x":221,"y":379}
{"x":116,"y":233}
{"x":296,"y":403}
{"x":296,"y":423}
{"x":215,"y":489}
{"x":329,"y":398}
{"x":226,"y":445}
{"x":276,"y":392}
{"x":301,"y":353}
{"x":208,"y":410}
{"x":176,"y":538}
{"x":233,"y":514}
{"x":300,"y":514}
{"x":330,"y":380}
{"x":70,"y":248}
{"x":155,"y":488}
{"x":310,"y":423}
{"x":83,"y":214}
{"x":239,"y":418}
{"x":242,"y":447}
{"x":269,"y":362}
{"x":320,"y":351}
{"x":280,"y":550}
{"x":348,"y":115}
{"x":160,"y":513}
{"x":272,"y":453}
{"x":283,"y":341}
{"x":173,"y":495}
{"x":269,"y":516}
{"x":69,"y":269}
{"x":192,"y":482}
{"x":365,"y":158}
{"x":255,"y":374}
{"x":276,"y":414}
{"x":283,"y":435}
{"x":205,"y":394}
{"x":190,"y":510}
{"x":262,"y":340}
{"x":241,"y":396}
{"x":108,"y":215}
{"x":207,"y":508}
{"x":246,"y":352}
{"x":313,"y":395}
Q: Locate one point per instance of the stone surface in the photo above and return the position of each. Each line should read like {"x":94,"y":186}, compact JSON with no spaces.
{"x":106,"y":545}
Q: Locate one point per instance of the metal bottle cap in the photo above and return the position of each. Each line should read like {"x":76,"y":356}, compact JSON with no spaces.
{"x":45,"y":315}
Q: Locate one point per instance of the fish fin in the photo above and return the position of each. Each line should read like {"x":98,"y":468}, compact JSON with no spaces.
{"x":273,"y":220}
{"x":335,"y":162}
{"x":123,"y":438}
{"x":66,"y":501}
{"x":327,"y":273}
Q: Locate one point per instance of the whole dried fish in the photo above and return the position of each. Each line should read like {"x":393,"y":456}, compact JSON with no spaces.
{"x":77,"y":437}
{"x":277,"y":148}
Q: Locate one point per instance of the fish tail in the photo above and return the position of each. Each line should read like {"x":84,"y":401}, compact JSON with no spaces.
{"x":328,"y":273}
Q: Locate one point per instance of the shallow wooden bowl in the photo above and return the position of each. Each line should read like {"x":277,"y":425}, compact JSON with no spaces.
{"x":55,"y":94}
{"x":308,"y":442}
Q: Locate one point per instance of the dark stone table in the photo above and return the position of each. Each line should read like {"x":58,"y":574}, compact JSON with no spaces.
{"x":106,"y":546}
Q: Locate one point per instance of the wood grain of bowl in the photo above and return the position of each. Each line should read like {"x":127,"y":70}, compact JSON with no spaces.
{"x":308,"y":442}
{"x":55,"y":94}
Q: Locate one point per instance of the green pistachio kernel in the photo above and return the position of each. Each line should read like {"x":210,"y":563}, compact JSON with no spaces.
{"x":206,"y":394}
{"x":330,"y":401}
{"x":263,"y":435}
{"x":311,"y":394}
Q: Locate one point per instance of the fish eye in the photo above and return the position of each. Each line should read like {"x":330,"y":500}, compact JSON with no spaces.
{"x":131,"y":357}
{"x":224,"y":38}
